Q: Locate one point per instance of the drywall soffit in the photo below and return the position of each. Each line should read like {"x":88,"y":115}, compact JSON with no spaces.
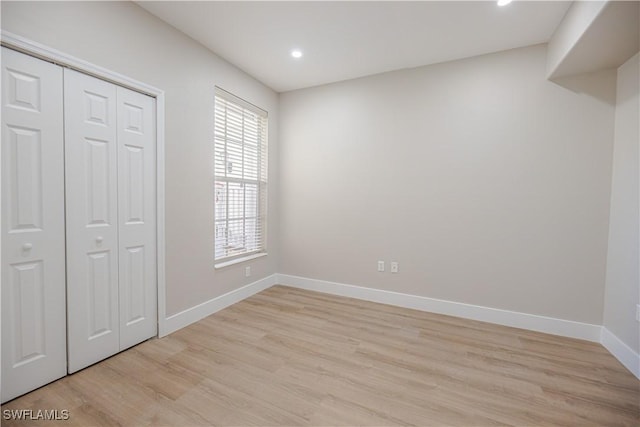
{"x":607,"y":42}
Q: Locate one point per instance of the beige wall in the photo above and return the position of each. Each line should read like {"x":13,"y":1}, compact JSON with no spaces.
{"x":623,"y":269}
{"x":488,"y":184}
{"x":122,"y":37}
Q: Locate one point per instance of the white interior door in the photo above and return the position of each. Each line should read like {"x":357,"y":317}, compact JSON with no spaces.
{"x":33,"y":246}
{"x":137,"y":216}
{"x":92,"y":219}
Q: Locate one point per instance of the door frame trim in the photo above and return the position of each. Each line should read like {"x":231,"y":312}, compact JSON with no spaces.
{"x":46,"y":53}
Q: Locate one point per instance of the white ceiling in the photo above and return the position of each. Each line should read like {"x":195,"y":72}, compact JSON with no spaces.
{"x":345,"y":40}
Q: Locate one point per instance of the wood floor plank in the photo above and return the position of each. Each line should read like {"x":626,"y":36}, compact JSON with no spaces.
{"x":293,"y":357}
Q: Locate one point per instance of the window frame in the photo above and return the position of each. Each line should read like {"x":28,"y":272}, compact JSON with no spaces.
{"x":261,"y":181}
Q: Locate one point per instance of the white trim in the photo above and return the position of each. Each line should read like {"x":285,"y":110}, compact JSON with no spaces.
{"x":191,"y":315}
{"x":549,"y":325}
{"x":49,"y":54}
{"x":239,"y":260}
{"x":160,"y":215}
{"x":625,"y":354}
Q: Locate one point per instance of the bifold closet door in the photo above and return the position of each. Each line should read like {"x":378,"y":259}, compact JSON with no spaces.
{"x":33,"y":246}
{"x":111,"y":228}
{"x":91,"y":155}
{"x":136,"y":123}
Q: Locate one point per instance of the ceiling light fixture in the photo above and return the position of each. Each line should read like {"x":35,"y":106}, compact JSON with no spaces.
{"x":503,"y":2}
{"x":296,"y":53}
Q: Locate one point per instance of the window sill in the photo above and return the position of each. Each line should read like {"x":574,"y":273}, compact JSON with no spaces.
{"x":238,"y":260}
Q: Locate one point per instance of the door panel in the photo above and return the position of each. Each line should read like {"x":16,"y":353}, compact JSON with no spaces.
{"x":27,"y":290}
{"x":92,"y":219}
{"x":137,"y":219}
{"x":134,"y":281}
{"x":97,"y":175}
{"x":25,"y":192}
{"x":99,"y":295}
{"x":33,"y":245}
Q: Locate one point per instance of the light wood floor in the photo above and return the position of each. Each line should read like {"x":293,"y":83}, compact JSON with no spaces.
{"x":293,"y":357}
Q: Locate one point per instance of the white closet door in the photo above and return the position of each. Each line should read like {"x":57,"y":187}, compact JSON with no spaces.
{"x":137,"y":216}
{"x":92,"y":219}
{"x":33,"y":274}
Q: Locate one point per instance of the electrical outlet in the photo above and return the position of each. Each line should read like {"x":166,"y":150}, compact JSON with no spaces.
{"x":380,"y":266}
{"x":247,"y":272}
{"x":638,"y":312}
{"x":394,"y":267}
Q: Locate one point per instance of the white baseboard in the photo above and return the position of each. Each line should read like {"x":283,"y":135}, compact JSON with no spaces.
{"x":549,"y":325}
{"x":207,"y":308}
{"x":567,"y":328}
{"x":625,"y":354}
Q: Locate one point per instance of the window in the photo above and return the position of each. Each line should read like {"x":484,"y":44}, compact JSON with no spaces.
{"x":240,"y":159}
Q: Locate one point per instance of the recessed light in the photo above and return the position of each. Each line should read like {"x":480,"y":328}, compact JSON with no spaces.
{"x":503,"y":2}
{"x":296,"y":53}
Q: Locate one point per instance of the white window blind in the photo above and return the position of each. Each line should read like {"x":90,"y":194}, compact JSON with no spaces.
{"x":240,"y":162}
